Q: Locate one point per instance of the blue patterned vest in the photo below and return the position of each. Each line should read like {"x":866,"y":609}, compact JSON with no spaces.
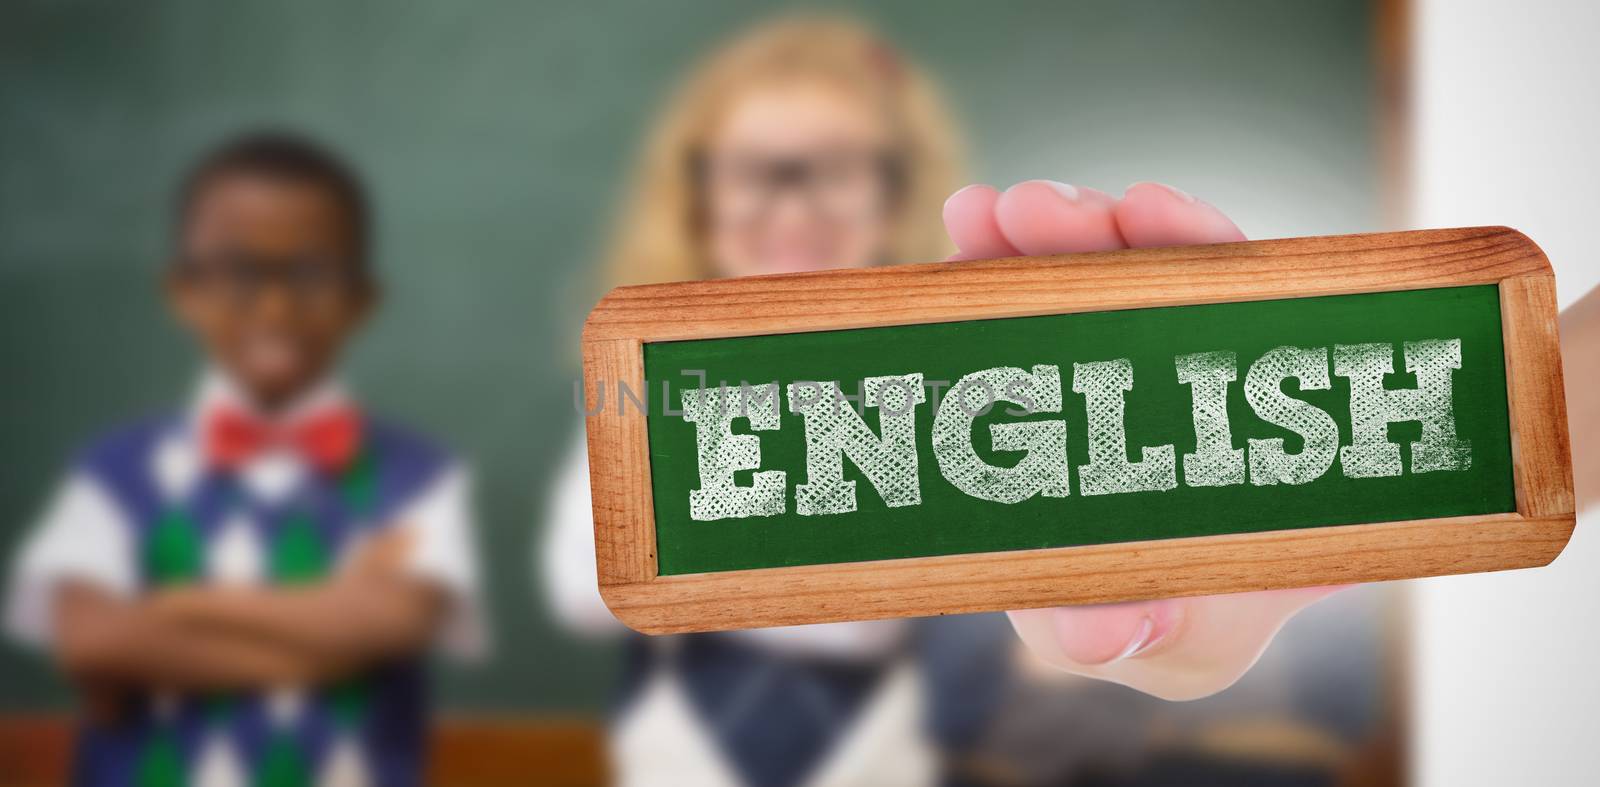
{"x":776,"y":717}
{"x":376,"y":720}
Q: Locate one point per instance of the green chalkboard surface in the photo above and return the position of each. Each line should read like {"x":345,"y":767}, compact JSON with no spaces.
{"x":1158,"y":411}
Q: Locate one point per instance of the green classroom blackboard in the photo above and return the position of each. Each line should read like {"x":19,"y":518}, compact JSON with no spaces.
{"x":497,"y":138}
{"x":1158,"y":412}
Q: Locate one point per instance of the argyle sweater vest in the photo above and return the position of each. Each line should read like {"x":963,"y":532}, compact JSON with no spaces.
{"x":368,"y":729}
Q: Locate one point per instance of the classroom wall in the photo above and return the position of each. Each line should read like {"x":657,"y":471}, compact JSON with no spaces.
{"x":496,"y":136}
{"x":1505,"y":682}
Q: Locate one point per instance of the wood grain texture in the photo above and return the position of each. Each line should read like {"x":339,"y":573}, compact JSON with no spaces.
{"x":629,"y":317}
{"x":619,"y":463}
{"x":1540,"y":446}
{"x":1063,"y":284}
{"x":956,"y":584}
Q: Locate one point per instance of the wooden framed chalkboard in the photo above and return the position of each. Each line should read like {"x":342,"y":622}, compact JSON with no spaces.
{"x":1003,"y":434}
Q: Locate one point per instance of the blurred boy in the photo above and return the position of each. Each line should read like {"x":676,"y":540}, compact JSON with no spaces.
{"x":244,"y":589}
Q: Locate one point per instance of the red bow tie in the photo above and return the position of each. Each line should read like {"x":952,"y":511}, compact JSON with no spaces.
{"x":327,"y":439}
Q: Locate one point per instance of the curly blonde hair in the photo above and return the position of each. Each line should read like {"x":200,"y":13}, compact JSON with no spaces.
{"x":656,"y":237}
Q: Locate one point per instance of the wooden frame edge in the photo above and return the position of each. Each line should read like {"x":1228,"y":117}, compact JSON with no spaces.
{"x":1541,"y":448}
{"x":619,"y":464}
{"x":1063,"y":284}
{"x":1128,"y":571}
{"x":628,"y":318}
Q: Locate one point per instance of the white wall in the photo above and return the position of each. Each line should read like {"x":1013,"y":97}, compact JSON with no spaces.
{"x":1506,"y":668}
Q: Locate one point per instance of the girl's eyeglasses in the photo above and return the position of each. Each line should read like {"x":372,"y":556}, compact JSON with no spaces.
{"x":837,"y":185}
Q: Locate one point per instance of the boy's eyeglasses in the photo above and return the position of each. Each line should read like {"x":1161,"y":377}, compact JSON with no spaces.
{"x":837,"y":185}
{"x":243,"y":277}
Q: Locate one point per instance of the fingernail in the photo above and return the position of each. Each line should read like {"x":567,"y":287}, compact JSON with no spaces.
{"x":1176,"y":192}
{"x":965,"y":189}
{"x":1142,"y":639}
{"x":1139,"y":641}
{"x":1105,"y":634}
{"x":1160,"y":620}
{"x":1067,"y":191}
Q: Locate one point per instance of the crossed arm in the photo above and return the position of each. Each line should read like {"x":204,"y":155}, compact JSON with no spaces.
{"x":200,"y":638}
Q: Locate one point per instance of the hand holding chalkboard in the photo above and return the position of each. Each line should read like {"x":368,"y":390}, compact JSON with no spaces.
{"x":1268,"y":500}
{"x":1180,"y":648}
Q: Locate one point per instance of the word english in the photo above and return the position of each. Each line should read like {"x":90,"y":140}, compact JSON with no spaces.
{"x":888,"y":458}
